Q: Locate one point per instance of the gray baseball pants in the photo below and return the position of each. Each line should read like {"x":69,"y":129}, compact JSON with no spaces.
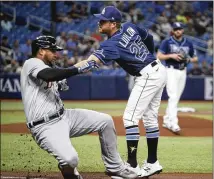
{"x":54,"y":137}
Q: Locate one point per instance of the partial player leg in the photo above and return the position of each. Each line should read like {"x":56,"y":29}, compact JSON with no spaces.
{"x":131,"y":80}
{"x":54,"y":138}
{"x":131,"y":123}
{"x":182,"y":83}
{"x":142,"y":94}
{"x":150,"y":120}
{"x":171,"y":87}
{"x":82,"y":121}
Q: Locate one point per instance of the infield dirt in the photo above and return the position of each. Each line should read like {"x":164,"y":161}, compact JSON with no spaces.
{"x":190,"y":126}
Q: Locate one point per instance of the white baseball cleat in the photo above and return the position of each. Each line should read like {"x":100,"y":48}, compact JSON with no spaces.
{"x":167,"y":125}
{"x":149,"y":169}
{"x":136,"y":169}
{"x":172,"y":127}
{"x":126,"y":173}
{"x":175,"y":128}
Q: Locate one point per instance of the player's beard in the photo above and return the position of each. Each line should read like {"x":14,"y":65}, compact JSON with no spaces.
{"x":178,"y":35}
{"x":103,"y":30}
{"x":49,"y":60}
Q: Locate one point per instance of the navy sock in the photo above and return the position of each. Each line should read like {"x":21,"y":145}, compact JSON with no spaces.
{"x":132,"y":138}
{"x":152,"y":136}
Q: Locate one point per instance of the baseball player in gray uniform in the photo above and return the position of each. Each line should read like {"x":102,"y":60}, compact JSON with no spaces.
{"x":51,"y":125}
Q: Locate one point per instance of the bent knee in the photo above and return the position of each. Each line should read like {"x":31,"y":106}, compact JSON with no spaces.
{"x":72,"y":160}
{"x":108,"y":119}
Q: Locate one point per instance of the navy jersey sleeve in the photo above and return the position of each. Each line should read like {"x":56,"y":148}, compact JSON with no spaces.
{"x":164,"y":47}
{"x":147,"y":38}
{"x":142,"y":32}
{"x":192,"y":51}
{"x":107,"y":52}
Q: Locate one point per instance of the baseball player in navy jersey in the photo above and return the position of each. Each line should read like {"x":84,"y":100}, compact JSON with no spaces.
{"x":51,"y":125}
{"x":132,"y":48}
{"x":178,"y":52}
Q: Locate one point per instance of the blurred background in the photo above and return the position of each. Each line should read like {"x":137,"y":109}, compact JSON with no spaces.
{"x":75,"y":28}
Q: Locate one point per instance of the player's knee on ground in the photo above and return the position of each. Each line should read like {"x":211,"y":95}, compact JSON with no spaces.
{"x":71,"y":160}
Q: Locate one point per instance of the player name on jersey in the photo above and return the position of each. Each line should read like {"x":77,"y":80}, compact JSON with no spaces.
{"x":126,"y":37}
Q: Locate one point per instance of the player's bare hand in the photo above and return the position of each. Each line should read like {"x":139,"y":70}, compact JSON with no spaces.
{"x":177,"y":57}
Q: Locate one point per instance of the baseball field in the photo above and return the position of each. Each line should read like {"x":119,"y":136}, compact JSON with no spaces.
{"x":188,"y":156}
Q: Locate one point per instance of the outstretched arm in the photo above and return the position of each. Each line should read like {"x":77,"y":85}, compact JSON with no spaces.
{"x":90,"y":58}
{"x":56,"y":74}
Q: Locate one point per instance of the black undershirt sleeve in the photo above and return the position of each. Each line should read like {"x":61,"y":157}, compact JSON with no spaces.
{"x":56,"y":74}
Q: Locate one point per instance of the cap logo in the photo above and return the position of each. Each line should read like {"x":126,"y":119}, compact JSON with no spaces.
{"x":103,"y":11}
{"x":178,"y":24}
{"x":112,"y":18}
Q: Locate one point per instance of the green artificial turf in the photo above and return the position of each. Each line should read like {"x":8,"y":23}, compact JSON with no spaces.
{"x":12,"y":111}
{"x":176,"y":154}
{"x":102,"y":105}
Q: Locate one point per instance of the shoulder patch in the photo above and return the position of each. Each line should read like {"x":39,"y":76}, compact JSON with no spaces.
{"x":100,"y":52}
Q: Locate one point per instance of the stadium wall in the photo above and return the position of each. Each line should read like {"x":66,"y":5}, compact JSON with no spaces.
{"x":106,"y":87}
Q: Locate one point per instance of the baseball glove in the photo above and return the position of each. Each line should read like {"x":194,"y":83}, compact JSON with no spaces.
{"x":185,"y":57}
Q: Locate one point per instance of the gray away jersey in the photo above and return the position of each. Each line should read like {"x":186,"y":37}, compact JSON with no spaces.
{"x":39,"y":97}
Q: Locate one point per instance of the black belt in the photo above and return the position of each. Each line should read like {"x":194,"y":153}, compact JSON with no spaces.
{"x":152,"y":64}
{"x":42,"y":120}
{"x":177,"y":67}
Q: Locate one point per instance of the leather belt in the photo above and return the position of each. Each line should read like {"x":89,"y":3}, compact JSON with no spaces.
{"x":45,"y":119}
{"x":178,"y":67}
{"x":152,"y":64}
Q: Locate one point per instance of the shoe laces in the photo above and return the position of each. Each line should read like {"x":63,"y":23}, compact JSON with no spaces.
{"x":146,"y":166}
{"x":127,"y":166}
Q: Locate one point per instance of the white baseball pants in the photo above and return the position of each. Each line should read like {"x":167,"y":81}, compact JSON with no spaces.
{"x":176,"y":80}
{"x":145,"y":97}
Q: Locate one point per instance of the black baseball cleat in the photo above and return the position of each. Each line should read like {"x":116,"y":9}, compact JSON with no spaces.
{"x":76,"y":177}
{"x":68,"y":175}
{"x":72,"y":176}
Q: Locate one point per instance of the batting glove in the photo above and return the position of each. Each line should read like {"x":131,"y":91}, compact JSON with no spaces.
{"x":89,"y":65}
{"x":63,"y":85}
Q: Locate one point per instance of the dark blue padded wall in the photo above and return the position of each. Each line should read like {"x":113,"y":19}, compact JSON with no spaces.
{"x":105,"y":87}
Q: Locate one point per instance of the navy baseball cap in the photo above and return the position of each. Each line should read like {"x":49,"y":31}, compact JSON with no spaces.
{"x":110,"y":13}
{"x":177,"y":25}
